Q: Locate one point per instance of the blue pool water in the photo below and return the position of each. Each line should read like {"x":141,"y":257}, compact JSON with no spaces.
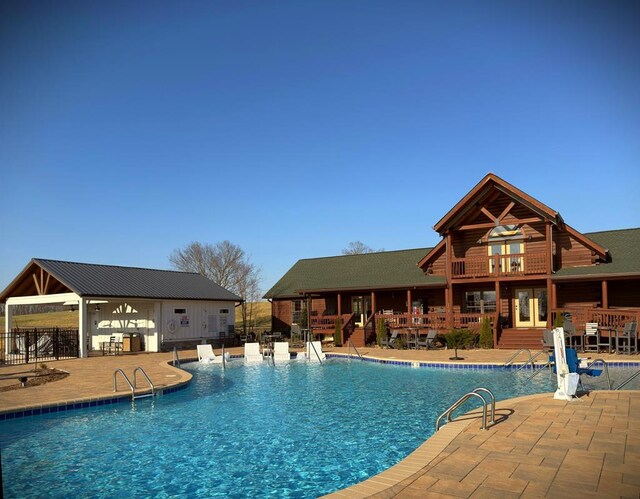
{"x":293,"y":430}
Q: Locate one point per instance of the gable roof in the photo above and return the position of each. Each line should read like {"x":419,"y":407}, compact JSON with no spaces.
{"x":490,"y":183}
{"x":109,"y":281}
{"x":385,"y":269}
{"x":623,"y":246}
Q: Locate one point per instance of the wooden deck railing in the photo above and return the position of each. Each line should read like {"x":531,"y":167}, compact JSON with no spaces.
{"x":530,"y":263}
{"x":436,"y":320}
{"x":613,"y":318}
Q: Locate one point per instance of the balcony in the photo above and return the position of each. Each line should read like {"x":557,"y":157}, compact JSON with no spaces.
{"x":514,"y":265}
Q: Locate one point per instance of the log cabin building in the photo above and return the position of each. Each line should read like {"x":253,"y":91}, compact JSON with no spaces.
{"x":503,"y":254}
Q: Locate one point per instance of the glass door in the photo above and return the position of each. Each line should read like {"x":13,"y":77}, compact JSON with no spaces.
{"x":530,"y":307}
{"x":361,"y":306}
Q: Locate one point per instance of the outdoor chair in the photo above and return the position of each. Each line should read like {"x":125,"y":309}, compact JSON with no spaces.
{"x":575,"y":339}
{"x":547,"y":340}
{"x":206,"y":355}
{"x":252,"y":352}
{"x":388,"y":342}
{"x":281,"y":351}
{"x":591,"y":337}
{"x":113,"y":346}
{"x":412,"y":339}
{"x":429,"y":341}
{"x":627,"y":341}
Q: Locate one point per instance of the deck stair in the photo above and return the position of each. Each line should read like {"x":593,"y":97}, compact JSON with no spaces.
{"x":513,"y":339}
{"x":358,"y":337}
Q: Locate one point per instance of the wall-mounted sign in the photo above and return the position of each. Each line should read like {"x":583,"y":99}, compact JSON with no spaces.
{"x":184,"y":321}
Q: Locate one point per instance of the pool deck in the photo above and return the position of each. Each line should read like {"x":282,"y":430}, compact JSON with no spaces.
{"x":539,"y":447}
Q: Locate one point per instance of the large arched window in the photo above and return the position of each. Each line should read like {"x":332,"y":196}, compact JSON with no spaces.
{"x":506,"y":240}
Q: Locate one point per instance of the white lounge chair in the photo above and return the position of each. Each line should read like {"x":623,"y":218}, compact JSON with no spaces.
{"x":206,"y":355}
{"x":252,"y":352}
{"x":314,"y":351}
{"x":281,"y":351}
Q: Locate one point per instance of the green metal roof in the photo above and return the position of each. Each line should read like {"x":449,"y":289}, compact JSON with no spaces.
{"x":385,"y":269}
{"x":624,"y":248}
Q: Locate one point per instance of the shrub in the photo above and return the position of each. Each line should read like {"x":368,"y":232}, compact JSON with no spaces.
{"x":458,"y":338}
{"x":559,"y":320}
{"x":337,"y":335}
{"x":486,"y":333}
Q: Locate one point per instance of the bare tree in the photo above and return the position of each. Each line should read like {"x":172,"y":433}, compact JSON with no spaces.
{"x":358,"y":248}
{"x":226,"y":264}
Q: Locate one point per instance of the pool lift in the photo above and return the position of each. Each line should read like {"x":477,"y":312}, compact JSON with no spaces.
{"x":133,"y":385}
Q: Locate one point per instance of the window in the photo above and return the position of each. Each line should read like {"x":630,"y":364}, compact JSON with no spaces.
{"x":298,"y":311}
{"x":179,"y":311}
{"x":480,"y":302}
{"x":224,"y":310}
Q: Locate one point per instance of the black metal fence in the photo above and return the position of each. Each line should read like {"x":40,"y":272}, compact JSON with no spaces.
{"x":21,"y":346}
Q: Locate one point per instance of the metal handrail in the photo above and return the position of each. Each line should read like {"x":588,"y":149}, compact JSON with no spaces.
{"x":224,"y":361}
{"x":535,"y":373}
{"x":354,"y":347}
{"x":463,"y":399}
{"x":510,"y":361}
{"x":628,"y":380}
{"x":135,"y":385}
{"x":115,"y":382}
{"x":314,"y":349}
{"x":176,"y":358}
{"x":605,"y":369}
{"x":530,"y":361}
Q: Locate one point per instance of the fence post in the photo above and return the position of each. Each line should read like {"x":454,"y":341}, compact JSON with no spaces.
{"x":27,"y":338}
{"x":56,"y":343}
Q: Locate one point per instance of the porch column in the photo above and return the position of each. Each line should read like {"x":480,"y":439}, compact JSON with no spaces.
{"x":549,"y":238}
{"x":8,"y":322}
{"x":308,"y":304}
{"x":82,"y":328}
{"x":448,"y":295}
{"x":496,"y":324}
{"x":339,"y":305}
{"x":409,"y":310}
{"x":605,"y":294}
{"x":549,"y":303}
{"x":554,"y":295}
{"x":373,"y":302}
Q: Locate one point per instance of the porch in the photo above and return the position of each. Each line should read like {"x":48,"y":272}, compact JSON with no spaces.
{"x":511,"y":265}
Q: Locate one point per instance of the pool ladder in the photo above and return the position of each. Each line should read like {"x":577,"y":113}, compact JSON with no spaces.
{"x":464,"y":398}
{"x":133,"y":385}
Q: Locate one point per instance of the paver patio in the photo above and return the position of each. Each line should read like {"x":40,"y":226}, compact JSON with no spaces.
{"x":540,"y":447}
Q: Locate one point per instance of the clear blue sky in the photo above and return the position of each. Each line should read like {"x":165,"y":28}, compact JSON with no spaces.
{"x":290,"y":128}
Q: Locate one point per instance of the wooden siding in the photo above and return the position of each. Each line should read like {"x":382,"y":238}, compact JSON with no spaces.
{"x":281,"y":315}
{"x":572,"y":293}
{"x":624,"y":293}
{"x":569,"y":252}
{"x":439,"y":263}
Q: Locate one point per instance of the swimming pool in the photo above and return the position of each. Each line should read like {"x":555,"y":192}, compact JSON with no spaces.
{"x":293,"y":430}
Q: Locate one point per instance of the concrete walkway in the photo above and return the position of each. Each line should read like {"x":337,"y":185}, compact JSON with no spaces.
{"x":539,"y":447}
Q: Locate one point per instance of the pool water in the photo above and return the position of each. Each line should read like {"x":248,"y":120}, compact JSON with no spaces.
{"x":293,"y":430}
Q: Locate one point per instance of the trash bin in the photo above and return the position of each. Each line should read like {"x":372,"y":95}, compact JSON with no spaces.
{"x":131,"y":342}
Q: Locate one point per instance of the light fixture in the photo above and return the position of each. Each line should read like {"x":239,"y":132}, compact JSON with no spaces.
{"x":71,"y":309}
{"x":97,"y":309}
